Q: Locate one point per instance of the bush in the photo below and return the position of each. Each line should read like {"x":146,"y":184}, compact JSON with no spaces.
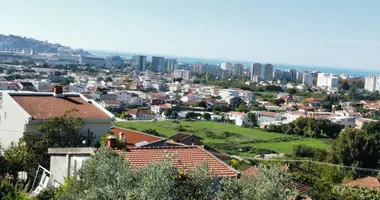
{"x":303,"y":151}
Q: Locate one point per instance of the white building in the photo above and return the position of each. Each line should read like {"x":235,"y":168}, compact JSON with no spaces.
{"x":22,"y":112}
{"x":327,"y":80}
{"x":238,"y":70}
{"x":307,"y":79}
{"x":184,"y":74}
{"x":226,"y":93}
{"x":226,"y":66}
{"x":239,"y":118}
{"x":199,"y":68}
{"x":372,"y":83}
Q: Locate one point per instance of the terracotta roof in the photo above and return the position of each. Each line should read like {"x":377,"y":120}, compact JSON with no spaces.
{"x":134,"y":137}
{"x":157,"y":95}
{"x":48,"y":106}
{"x":138,"y":111}
{"x":272,"y":114}
{"x":178,"y":137}
{"x":236,"y":113}
{"x":186,"y":158}
{"x":365,"y":120}
{"x":112,"y":102}
{"x":368,"y":182}
{"x":191,"y":102}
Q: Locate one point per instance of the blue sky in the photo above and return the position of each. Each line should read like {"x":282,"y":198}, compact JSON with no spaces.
{"x":341,"y":33}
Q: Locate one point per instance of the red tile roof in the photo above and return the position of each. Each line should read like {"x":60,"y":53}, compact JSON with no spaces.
{"x":134,"y":137}
{"x":368,"y":182}
{"x":236,"y":113}
{"x":112,"y":102}
{"x":47,"y":107}
{"x":138,"y":111}
{"x":271,"y":114}
{"x":186,"y":158}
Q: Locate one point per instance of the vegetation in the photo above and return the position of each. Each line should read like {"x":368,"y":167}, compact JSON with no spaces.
{"x":164,"y":181}
{"x":249,"y":141}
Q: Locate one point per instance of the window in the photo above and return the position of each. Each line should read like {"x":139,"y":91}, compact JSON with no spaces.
{"x":5,"y":115}
{"x":75,"y":165}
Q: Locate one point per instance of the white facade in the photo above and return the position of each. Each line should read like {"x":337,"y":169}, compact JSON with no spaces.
{"x":184,"y":74}
{"x":307,"y":80}
{"x":240,"y":118}
{"x":226,"y":66}
{"x":14,"y":121}
{"x":226,"y":93}
{"x":372,"y":83}
{"x":327,"y":80}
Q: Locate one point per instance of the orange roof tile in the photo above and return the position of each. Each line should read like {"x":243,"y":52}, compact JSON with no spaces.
{"x":134,"y":137}
{"x":236,"y":113}
{"x":368,"y":182}
{"x":186,"y":158}
{"x":48,"y":106}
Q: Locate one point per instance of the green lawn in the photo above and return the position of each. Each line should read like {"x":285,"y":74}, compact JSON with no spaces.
{"x":245,"y":141}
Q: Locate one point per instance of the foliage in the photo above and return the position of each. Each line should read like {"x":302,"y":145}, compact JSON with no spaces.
{"x":108,"y":79}
{"x":192,"y":115}
{"x":107,"y":175}
{"x":303,"y":151}
{"x":252,"y":118}
{"x":354,"y":193}
{"x":346,"y":86}
{"x":17,"y":159}
{"x":168,"y":112}
{"x":355,"y":147}
{"x":151,"y":132}
{"x":103,"y":140}
{"x":207,"y":116}
{"x":9,"y":191}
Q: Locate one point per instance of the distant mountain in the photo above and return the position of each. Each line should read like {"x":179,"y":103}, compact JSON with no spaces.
{"x":18,"y":43}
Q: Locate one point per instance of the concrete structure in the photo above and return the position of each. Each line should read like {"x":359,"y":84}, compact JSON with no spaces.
{"x":292,"y":74}
{"x":184,"y":74}
{"x":307,"y":79}
{"x":226,"y":66}
{"x":238,"y":70}
{"x":140,"y":62}
{"x":25,"y":111}
{"x":372,"y":83}
{"x":256,"y":70}
{"x":266,"y":72}
{"x":327,"y":80}
{"x":239,"y":118}
{"x":91,"y":60}
{"x":65,"y":162}
{"x":225,"y":93}
{"x":170,"y":65}
{"x":277,"y":74}
{"x":158,"y":64}
{"x":199,"y":68}
{"x":300,"y":77}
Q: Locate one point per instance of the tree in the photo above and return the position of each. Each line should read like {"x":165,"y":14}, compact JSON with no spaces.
{"x":355,"y":147}
{"x":60,"y":131}
{"x":168,"y":112}
{"x":252,"y":118}
{"x":302,"y":150}
{"x":345,"y":86}
{"x":202,"y":104}
{"x":207,"y":116}
{"x":17,"y":159}
{"x":242,"y":108}
{"x":151,"y":132}
{"x":108,"y":79}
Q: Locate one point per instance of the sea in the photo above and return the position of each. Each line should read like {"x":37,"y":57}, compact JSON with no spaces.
{"x":334,"y":70}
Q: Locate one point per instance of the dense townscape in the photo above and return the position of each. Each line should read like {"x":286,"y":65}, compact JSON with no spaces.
{"x":78,"y":126}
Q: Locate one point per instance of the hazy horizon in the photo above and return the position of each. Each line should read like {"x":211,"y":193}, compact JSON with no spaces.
{"x":342,"y":34}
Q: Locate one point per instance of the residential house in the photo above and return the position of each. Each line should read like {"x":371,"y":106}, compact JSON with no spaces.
{"x":141,"y":114}
{"x":136,"y":101}
{"x":43,"y":86}
{"x":191,"y":97}
{"x":113,"y":104}
{"x":134,"y":139}
{"x":234,"y":102}
{"x":228,"y":93}
{"x":65,"y":162}
{"x":239,"y":118}
{"x":187,"y":139}
{"x":361,"y":121}
{"x":157,"y":98}
{"x":159,"y":109}
{"x":25,"y":111}
{"x":268,"y":117}
{"x":27,"y":86}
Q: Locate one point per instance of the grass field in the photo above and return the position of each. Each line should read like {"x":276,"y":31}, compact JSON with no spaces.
{"x":243,"y":141}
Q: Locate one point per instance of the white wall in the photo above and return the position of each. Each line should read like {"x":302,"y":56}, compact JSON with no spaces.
{"x":12,"y":123}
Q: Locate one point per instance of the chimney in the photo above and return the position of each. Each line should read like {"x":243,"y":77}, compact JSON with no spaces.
{"x":58,"y":91}
{"x":111,"y":143}
{"x":121,"y":137}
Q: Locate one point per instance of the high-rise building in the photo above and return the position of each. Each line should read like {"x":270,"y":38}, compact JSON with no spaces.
{"x":256,"y":70}
{"x":238,"y":70}
{"x":226,"y":66}
{"x":267,"y":72}
{"x":300,"y":77}
{"x":286,"y":76}
{"x":170,"y":65}
{"x":157,"y":64}
{"x":140,"y":62}
{"x":372,"y":83}
{"x":293,"y":75}
{"x":184,"y":74}
{"x":307,"y":79}
{"x":277,"y":74}
{"x":327,"y":80}
{"x":199,"y":68}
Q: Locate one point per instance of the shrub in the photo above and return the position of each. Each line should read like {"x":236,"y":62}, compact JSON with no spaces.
{"x":303,"y":151}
